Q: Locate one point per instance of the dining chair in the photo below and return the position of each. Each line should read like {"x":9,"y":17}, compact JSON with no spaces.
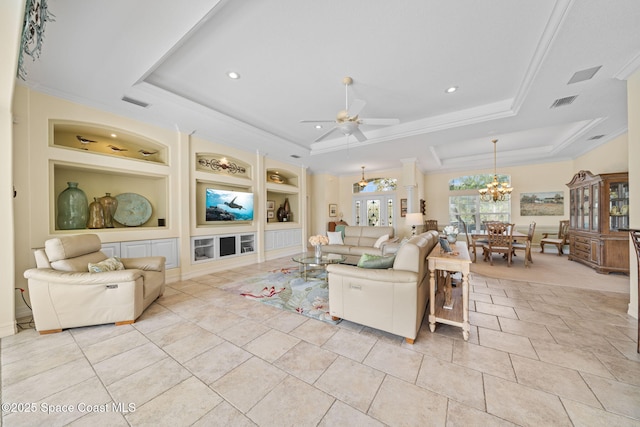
{"x":499,"y":240}
{"x":431,"y":224}
{"x":471,"y":243}
{"x":560,"y":241}
{"x":526,"y":246}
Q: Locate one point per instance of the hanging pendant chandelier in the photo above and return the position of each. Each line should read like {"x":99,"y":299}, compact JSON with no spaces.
{"x":496,"y":191}
{"x":363,"y":182}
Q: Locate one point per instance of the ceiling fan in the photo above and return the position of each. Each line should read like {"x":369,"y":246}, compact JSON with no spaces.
{"x":347,"y":120}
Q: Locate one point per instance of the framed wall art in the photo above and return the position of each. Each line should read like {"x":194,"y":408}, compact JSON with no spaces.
{"x":333,"y":209}
{"x":271,"y":205}
{"x":542,"y":203}
{"x":403,"y":207}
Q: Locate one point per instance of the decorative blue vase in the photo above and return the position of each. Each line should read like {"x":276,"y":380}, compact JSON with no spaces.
{"x":73,"y":208}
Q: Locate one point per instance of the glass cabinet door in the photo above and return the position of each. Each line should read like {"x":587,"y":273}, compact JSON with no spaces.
{"x":572,"y":209}
{"x":618,"y":205}
{"x":595,"y":211}
{"x":585,"y":211}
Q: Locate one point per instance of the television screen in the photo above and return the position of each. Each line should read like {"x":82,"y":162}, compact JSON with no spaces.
{"x":226,"y":205}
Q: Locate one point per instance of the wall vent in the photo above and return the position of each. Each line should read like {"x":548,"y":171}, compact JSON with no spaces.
{"x":295,"y":156}
{"x":561,"y":102}
{"x":595,"y":137}
{"x":135,"y":102}
{"x":583,"y":75}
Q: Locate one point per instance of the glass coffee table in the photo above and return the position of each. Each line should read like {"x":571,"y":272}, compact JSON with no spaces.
{"x":310,"y":262}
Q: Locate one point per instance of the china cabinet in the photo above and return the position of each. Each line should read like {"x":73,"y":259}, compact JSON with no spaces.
{"x":598,"y":212}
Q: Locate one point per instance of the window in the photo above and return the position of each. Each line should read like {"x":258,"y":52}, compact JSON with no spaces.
{"x":465,"y":203}
{"x":375,"y":185}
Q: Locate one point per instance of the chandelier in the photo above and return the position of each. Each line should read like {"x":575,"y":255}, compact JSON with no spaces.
{"x":363,"y":182}
{"x":496,"y":191}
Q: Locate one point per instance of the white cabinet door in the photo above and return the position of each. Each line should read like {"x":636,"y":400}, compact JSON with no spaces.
{"x":135,"y":249}
{"x":167,"y":248}
{"x":111,"y":249}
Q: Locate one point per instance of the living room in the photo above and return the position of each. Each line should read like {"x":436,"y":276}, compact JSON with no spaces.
{"x":40,"y":165}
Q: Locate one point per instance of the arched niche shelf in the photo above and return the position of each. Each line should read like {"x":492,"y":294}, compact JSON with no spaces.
{"x":106,"y":140}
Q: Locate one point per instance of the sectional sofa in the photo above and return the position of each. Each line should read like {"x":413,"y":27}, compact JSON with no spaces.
{"x":394,"y":299}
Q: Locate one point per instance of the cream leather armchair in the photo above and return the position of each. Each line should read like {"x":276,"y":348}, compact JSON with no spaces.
{"x":64,"y":294}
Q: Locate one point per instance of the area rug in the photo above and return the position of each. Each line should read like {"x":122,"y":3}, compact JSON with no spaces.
{"x":288,"y":289}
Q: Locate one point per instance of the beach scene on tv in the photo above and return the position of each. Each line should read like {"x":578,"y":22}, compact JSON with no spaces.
{"x":224,"y":205}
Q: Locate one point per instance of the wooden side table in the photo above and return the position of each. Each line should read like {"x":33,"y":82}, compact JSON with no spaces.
{"x":449,"y":306}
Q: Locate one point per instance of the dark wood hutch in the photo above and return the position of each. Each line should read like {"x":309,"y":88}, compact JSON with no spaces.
{"x":598,"y":211}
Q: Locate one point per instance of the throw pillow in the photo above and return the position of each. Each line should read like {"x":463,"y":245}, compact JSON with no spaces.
{"x":335,"y":238}
{"x":109,"y":264}
{"x":380,"y":240}
{"x":376,"y":261}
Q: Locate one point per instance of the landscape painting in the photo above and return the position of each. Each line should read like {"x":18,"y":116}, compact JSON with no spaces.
{"x":542,"y":204}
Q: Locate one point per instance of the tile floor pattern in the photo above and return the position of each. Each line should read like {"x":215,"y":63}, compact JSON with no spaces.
{"x":538,"y":355}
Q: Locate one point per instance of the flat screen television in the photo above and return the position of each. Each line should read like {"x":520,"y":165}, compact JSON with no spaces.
{"x":228,"y":205}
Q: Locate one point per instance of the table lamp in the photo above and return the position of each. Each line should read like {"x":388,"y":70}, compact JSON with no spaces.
{"x":414,"y":219}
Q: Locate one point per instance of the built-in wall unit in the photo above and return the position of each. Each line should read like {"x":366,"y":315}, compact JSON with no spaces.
{"x":224,"y":213}
{"x":82,"y":155}
{"x":285,"y":205}
{"x":57,"y":142}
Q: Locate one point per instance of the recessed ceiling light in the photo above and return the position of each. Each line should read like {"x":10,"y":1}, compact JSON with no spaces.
{"x":113,"y":135}
{"x":451,"y":89}
{"x":318,"y":126}
{"x":233,"y":75}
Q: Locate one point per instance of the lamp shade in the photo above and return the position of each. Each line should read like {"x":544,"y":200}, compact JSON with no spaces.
{"x":414,"y":219}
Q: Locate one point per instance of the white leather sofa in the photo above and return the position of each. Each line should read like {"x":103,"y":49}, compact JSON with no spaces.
{"x":359,"y":240}
{"x":393,"y":300}
{"x":64,"y":294}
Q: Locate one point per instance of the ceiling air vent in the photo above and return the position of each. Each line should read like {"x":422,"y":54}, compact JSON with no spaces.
{"x":135,"y":102}
{"x":561,"y":102}
{"x":583,"y":75}
{"x":595,"y":137}
{"x":295,"y":156}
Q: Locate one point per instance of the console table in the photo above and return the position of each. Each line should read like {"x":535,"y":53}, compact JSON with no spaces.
{"x":449,"y":306}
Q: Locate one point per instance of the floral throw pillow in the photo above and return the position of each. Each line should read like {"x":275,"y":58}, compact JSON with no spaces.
{"x":109,"y":264}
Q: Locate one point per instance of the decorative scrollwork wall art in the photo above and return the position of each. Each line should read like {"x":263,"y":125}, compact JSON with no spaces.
{"x":221,"y":164}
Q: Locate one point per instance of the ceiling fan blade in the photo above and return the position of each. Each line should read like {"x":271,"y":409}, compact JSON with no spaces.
{"x":359,"y":135}
{"x":356,"y":106}
{"x":317,"y":121}
{"x":379,"y":122}
{"x":325,"y":135}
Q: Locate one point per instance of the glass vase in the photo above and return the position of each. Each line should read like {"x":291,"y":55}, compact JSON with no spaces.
{"x":452,"y":238}
{"x":73,"y":208}
{"x":109,"y":206}
{"x":318,"y":251}
{"x":96,"y":214}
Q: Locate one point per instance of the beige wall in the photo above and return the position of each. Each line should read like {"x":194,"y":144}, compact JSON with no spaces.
{"x":524,"y":179}
{"x":607,"y":158}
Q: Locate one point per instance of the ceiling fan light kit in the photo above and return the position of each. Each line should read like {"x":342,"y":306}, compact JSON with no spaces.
{"x":495,"y":191}
{"x":347,"y":121}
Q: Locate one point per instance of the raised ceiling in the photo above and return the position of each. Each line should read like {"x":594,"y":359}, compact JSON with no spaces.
{"x":510,"y":60}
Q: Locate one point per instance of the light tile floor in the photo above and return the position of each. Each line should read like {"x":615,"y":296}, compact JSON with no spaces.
{"x":538,"y":355}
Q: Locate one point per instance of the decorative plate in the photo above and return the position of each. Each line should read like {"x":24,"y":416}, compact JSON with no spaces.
{"x":133,"y":209}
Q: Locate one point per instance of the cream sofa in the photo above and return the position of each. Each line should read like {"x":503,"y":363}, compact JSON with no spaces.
{"x":393,"y":300}
{"x":359,"y":240}
{"x":64,"y":294}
